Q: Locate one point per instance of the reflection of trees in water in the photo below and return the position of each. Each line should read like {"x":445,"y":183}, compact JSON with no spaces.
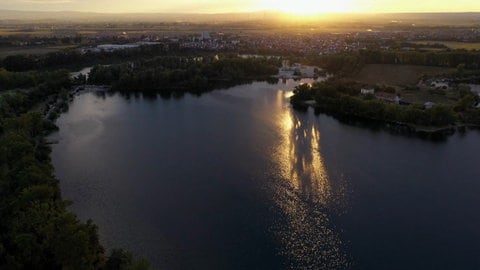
{"x":307,"y":168}
{"x":101,"y":94}
{"x":394,"y":129}
{"x":300,"y":158}
{"x":153,"y":96}
{"x":307,"y":236}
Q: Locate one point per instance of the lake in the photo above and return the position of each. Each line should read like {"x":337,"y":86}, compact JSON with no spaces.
{"x":235,"y":179}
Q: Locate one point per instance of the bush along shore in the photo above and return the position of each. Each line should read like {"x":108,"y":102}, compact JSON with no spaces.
{"x":344,"y":99}
{"x":37,"y":230}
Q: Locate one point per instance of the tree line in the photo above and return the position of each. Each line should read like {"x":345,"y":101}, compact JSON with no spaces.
{"x":74,"y":58}
{"x":183,"y":73}
{"x":49,"y":81}
{"x":345,"y":64}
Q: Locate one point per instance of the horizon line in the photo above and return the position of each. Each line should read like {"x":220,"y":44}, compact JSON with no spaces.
{"x":243,"y":12}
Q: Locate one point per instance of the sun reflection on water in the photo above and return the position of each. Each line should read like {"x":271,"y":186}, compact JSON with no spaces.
{"x":300,"y":158}
{"x":288,"y":94}
{"x":306,"y":197}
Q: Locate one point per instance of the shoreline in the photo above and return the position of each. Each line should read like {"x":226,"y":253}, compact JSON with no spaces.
{"x":398,"y":126}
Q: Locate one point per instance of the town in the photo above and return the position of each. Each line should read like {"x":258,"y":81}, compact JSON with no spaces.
{"x":303,"y":39}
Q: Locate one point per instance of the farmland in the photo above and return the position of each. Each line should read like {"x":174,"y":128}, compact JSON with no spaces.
{"x":396,"y":74}
{"x":4,"y":52}
{"x":455,"y":45}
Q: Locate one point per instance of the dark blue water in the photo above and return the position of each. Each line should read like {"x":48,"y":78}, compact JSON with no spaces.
{"x":235,"y":179}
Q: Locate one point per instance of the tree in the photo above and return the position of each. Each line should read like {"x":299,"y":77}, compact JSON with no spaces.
{"x":441,"y":115}
{"x":123,"y":260}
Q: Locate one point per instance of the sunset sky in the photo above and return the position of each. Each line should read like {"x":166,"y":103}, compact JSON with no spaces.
{"x":220,"y":6}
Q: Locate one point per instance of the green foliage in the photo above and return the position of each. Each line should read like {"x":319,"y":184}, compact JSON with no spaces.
{"x":122,"y":260}
{"x":37,"y":231}
{"x":461,"y":69}
{"x":440,"y":115}
{"x":472,"y":117}
{"x":465,"y":103}
{"x":182,"y":74}
{"x":346,"y":64}
{"x":343,"y":98}
{"x":303,"y":92}
{"x":75,"y":58}
{"x":369,"y":97}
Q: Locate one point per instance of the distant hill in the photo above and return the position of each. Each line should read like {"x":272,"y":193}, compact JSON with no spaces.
{"x":71,"y":16}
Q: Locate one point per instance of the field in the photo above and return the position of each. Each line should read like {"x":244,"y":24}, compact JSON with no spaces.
{"x":396,"y":75}
{"x":7,"y":51}
{"x":5,"y":31}
{"x":4,"y":52}
{"x":454,"y":45}
{"x":422,"y":96}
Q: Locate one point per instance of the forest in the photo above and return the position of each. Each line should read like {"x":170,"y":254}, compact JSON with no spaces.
{"x":74,"y":59}
{"x":169,"y":74}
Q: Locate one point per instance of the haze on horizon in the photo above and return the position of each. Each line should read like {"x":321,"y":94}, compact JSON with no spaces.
{"x":226,"y":6}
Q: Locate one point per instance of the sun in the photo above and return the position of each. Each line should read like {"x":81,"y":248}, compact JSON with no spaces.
{"x":308,"y":7}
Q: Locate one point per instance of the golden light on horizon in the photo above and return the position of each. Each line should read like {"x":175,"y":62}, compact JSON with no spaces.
{"x":303,"y":8}
{"x":308,"y":7}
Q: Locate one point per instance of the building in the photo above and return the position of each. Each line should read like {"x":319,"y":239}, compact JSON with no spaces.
{"x":204,"y":36}
{"x":439,"y":85}
{"x":366,"y":91}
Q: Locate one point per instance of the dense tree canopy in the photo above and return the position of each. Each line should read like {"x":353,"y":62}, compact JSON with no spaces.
{"x":182,"y":74}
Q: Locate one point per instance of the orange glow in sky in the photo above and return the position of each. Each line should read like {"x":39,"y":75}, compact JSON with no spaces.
{"x":308,"y":7}
{"x":299,"y":7}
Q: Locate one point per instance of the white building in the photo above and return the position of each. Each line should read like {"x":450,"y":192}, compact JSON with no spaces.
{"x":204,"y":36}
{"x":439,"y":84}
{"x":366,"y":91}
